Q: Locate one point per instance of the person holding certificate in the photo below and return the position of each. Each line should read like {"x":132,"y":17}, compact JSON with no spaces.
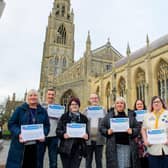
{"x":120,"y":127}
{"x":52,"y":140}
{"x":140,"y":110}
{"x":96,"y":141}
{"x":154,"y":133}
{"x":29,"y":124}
{"x":72,"y":129}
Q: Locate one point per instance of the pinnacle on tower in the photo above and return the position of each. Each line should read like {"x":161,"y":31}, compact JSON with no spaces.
{"x":128,"y":50}
{"x":108,"y":42}
{"x":147,"y":40}
{"x":14,"y":97}
{"x":25,"y":95}
{"x":88,"y":42}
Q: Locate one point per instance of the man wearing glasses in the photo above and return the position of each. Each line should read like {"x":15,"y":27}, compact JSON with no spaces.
{"x":95,"y":113}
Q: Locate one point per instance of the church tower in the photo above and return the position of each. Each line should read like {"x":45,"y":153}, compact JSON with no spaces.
{"x":58,"y":51}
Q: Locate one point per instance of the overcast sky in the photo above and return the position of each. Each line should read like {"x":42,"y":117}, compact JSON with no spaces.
{"x":23,"y":25}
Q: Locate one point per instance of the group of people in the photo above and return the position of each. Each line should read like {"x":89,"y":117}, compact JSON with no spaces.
{"x":130,"y":148}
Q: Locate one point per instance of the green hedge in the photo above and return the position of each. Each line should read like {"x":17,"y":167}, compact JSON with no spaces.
{"x":6,"y":132}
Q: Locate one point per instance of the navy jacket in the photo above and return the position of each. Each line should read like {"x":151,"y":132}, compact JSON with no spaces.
{"x":16,"y":150}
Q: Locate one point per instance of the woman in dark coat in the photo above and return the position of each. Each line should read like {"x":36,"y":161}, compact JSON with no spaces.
{"x":72,"y":149}
{"x":27,"y":154}
{"x":142,"y":150}
{"x":121,"y":149}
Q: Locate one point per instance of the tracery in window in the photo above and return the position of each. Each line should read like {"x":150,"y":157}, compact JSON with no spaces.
{"x":122,"y":87}
{"x":140,"y":84}
{"x":162,"y":78}
{"x":64,"y":62}
{"x":61,"y":35}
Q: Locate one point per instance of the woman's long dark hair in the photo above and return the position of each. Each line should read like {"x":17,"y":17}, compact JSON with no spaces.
{"x":142,"y":102}
{"x":162,"y":101}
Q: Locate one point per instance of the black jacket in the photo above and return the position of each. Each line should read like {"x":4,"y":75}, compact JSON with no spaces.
{"x":67,"y":145}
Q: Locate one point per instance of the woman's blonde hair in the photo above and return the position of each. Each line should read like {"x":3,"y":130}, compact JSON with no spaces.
{"x":121,"y":99}
{"x":32,"y":91}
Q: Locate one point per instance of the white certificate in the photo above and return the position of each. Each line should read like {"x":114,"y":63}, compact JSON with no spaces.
{"x":55,"y":110}
{"x":119,"y":124}
{"x":95,"y":112}
{"x":140,"y":115}
{"x":32,"y":132}
{"x":156,"y":136}
{"x":76,"y":130}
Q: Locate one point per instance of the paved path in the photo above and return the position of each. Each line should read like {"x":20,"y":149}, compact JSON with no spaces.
{"x":60,"y":165}
{"x":4,"y":152}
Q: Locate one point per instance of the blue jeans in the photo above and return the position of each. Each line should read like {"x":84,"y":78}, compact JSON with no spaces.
{"x":158,"y":161}
{"x":52,"y":144}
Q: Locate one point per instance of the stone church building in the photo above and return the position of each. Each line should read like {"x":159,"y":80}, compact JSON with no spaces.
{"x":138,"y":75}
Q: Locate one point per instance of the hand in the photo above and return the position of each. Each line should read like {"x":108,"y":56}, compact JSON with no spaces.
{"x":166,"y":143}
{"x":109,"y":131}
{"x":85,"y":137}
{"x":146,"y":143}
{"x":129,"y":130}
{"x":21,"y":139}
{"x":66,"y":136}
{"x":41,"y":140}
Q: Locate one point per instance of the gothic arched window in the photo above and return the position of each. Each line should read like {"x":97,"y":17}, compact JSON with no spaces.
{"x":61,"y":35}
{"x":57,"y":10}
{"x":51,"y":61}
{"x":55,"y":71}
{"x":64,"y":62}
{"x":63,"y":11}
{"x":140,"y":84}
{"x":56,"y":61}
{"x":162,"y":78}
{"x":122,"y":87}
{"x":51,"y":65}
{"x":66,"y":97}
{"x":98,"y":91}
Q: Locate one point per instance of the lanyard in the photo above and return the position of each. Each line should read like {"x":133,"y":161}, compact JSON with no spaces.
{"x":157,"y":115}
{"x":33,"y":116}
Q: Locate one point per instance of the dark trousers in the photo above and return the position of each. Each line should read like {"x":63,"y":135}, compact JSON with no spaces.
{"x":144,"y":162}
{"x":158,"y":161}
{"x":52,"y":144}
{"x":72,"y":160}
{"x":98,"y":150}
{"x":30,"y":156}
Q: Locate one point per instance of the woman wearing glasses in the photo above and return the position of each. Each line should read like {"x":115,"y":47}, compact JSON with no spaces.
{"x":72,"y":149}
{"x":157,"y":118}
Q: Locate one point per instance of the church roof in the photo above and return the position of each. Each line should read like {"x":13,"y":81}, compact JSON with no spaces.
{"x":142,"y":51}
{"x":107,"y":45}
